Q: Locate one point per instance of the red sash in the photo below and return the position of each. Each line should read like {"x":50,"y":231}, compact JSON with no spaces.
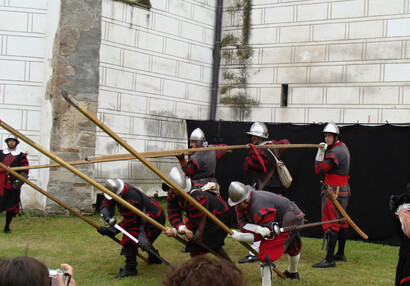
{"x":8,"y":160}
{"x":336,"y":180}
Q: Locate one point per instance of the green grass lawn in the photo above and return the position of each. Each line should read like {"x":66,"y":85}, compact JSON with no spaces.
{"x":95,"y":258}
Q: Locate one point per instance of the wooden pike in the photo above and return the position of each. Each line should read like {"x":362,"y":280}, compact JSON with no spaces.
{"x":164,"y":153}
{"x":74,"y":212}
{"x":105,"y":158}
{"x":189,"y":151}
{"x":125,"y":145}
{"x":85,"y":178}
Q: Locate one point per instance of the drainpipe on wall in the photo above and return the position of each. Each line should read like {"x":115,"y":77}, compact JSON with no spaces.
{"x":216,"y":56}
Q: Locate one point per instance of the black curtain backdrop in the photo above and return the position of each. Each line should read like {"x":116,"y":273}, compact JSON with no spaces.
{"x":379,"y":167}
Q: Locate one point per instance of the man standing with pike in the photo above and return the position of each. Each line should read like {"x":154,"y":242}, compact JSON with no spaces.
{"x":262,"y":163}
{"x":333,"y":160}
{"x":9,"y":186}
{"x":201,"y":165}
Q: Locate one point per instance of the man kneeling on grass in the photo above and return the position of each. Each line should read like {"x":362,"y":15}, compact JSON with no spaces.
{"x":143,"y":231}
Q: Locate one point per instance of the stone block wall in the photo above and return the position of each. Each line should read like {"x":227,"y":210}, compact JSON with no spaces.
{"x":155,"y":72}
{"x":344,"y":61}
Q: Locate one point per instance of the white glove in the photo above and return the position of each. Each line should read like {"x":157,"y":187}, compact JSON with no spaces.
{"x":321,"y":152}
{"x":182,"y":229}
{"x":263,"y":231}
{"x":242,"y":236}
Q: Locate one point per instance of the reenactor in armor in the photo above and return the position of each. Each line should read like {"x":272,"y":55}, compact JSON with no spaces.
{"x":143,"y":231}
{"x":334,"y":161}
{"x":201,"y":165}
{"x":204,"y":235}
{"x":260,"y":216}
{"x":262,"y":163}
{"x":10,"y":186}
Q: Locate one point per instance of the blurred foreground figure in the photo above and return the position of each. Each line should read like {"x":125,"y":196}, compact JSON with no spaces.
{"x":202,"y":270}
{"x":400,"y":205}
{"x":28,"y":271}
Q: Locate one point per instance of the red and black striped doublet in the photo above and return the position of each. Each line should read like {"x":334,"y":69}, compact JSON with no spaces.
{"x":253,"y":164}
{"x":9,"y":197}
{"x":131,"y":222}
{"x":213,"y":236}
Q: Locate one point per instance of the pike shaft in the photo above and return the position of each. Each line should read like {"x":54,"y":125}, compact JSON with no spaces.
{"x":296,"y":227}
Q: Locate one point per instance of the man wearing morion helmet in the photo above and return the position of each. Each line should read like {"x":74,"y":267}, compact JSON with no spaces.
{"x":333,"y":160}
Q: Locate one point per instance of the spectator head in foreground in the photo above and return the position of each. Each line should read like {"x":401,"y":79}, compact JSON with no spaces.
{"x":203,"y":270}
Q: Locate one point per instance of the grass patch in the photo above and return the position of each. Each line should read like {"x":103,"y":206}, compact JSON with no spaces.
{"x":95,"y":258}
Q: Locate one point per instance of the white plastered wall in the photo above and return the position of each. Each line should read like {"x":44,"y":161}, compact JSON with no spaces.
{"x":27,"y":30}
{"x":344,"y":61}
{"x":156,"y":68}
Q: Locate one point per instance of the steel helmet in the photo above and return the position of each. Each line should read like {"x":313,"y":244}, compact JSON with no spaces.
{"x":197,"y":135}
{"x":238,"y":192}
{"x":178,"y":178}
{"x":114,"y":185}
{"x":11,"y":136}
{"x":259,"y":129}
{"x":331,"y":128}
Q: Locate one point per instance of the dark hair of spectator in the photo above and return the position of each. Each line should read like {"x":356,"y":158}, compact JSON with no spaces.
{"x":202,"y":270}
{"x":23,"y":271}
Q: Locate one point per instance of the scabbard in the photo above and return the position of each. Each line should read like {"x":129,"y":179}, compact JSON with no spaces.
{"x":333,"y":198}
{"x":147,"y":248}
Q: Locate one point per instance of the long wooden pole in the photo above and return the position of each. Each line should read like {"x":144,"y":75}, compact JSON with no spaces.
{"x":171,"y":183}
{"x":34,"y":186}
{"x":104,"y":158}
{"x":176,"y":152}
{"x":85,"y":178}
{"x":164,"y":153}
{"x":193,"y":150}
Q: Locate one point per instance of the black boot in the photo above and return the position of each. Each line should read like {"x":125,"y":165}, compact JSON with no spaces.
{"x":340,"y":254}
{"x":152,"y":259}
{"x":289,"y":275}
{"x":130,"y":269}
{"x":329,"y":260}
{"x":9,"y":218}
